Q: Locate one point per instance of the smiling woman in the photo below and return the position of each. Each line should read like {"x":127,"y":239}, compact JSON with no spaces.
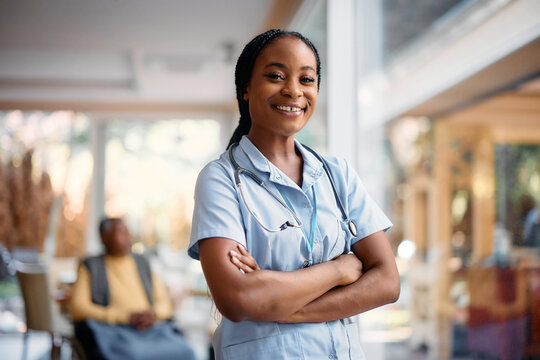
{"x":245,"y":67}
{"x":272,"y":221}
{"x":282,"y":92}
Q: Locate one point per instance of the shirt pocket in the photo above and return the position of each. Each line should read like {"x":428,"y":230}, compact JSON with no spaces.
{"x":355,"y":350}
{"x":337,"y":240}
{"x":282,"y":346}
{"x":281,"y":251}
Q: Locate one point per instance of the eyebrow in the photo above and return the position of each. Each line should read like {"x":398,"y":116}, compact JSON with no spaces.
{"x":282,"y":66}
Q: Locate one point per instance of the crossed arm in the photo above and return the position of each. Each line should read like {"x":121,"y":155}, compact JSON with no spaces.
{"x":345,"y":286}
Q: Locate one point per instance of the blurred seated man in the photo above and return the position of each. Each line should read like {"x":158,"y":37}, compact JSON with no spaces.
{"x":119,"y":307}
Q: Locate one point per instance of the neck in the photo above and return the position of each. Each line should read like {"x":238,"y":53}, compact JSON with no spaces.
{"x":281,"y":152}
{"x":276,"y":148}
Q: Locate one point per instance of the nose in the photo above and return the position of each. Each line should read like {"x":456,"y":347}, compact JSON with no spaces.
{"x":292,"y":89}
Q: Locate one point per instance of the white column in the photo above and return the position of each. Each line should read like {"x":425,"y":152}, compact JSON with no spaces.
{"x":368,"y":135}
{"x":97,"y":187}
{"x":341,"y":79}
{"x":370,"y":124}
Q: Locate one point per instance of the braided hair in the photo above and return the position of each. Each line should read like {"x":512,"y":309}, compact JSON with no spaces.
{"x":244,"y":68}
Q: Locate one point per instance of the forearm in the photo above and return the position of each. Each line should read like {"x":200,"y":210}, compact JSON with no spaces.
{"x":272,"y":295}
{"x":378,"y":286}
{"x":266,"y":295}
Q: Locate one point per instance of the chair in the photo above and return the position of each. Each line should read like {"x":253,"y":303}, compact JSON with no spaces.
{"x":37,"y":305}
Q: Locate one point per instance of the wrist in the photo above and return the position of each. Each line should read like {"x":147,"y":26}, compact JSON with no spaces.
{"x":340,"y":275}
{"x":293,"y":318}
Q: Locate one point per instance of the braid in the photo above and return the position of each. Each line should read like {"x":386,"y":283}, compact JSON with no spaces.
{"x":244,"y":67}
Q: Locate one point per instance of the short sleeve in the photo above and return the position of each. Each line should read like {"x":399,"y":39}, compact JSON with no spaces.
{"x":363,"y":210}
{"x":216,"y":212}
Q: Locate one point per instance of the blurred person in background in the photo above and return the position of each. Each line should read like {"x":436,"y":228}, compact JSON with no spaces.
{"x":120,"y":308}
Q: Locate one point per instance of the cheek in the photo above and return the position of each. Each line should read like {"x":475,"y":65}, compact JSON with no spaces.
{"x":312,"y":102}
{"x":312,"y":96}
{"x":257,"y":106}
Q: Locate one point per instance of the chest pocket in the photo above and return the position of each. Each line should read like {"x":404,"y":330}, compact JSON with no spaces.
{"x":336,"y":238}
{"x":281,"y":251}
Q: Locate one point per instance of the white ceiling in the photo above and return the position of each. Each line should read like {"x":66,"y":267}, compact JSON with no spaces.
{"x":127,"y":51}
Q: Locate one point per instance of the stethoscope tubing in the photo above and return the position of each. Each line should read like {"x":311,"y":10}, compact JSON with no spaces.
{"x":350,"y":224}
{"x":239,"y":170}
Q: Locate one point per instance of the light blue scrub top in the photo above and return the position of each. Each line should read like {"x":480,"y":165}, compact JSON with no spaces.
{"x":220,"y":212}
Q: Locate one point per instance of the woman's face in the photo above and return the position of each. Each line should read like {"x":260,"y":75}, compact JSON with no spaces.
{"x":282,"y":91}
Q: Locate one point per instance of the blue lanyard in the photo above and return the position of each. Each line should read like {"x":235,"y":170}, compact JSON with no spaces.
{"x":311,"y":237}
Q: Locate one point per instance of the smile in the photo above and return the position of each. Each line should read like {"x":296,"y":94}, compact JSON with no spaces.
{"x":288,"y":108}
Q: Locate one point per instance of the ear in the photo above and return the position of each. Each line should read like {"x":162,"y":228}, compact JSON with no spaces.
{"x":246,"y":95}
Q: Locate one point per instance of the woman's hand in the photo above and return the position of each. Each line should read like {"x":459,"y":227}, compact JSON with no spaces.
{"x":243,"y":260}
{"x":350,"y":267}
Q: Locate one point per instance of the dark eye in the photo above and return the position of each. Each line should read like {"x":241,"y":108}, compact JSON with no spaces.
{"x":274,"y":76}
{"x":307,"y":80}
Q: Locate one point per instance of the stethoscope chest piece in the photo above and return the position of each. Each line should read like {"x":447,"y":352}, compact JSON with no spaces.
{"x":352,"y":228}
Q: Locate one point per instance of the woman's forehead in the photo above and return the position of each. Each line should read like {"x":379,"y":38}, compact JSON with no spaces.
{"x":287,"y":49}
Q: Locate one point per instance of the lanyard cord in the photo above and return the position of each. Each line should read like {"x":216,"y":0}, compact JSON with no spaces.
{"x":240,"y":170}
{"x":311,"y":237}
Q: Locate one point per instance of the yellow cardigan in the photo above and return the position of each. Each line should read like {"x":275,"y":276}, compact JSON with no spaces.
{"x":127,"y":294}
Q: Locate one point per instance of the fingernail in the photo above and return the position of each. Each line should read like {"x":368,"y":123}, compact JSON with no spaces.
{"x":235,"y":260}
{"x":234,"y":253}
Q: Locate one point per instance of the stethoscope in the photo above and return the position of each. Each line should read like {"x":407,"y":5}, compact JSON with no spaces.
{"x":297,"y":222}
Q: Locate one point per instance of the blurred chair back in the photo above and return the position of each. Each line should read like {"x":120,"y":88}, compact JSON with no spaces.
{"x":35,"y":291}
{"x":34,"y":284}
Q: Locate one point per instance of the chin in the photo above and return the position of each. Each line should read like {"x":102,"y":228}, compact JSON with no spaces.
{"x":287,"y":131}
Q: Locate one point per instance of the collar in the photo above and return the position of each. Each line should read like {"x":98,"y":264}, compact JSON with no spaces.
{"x":313,"y":168}
{"x":257,"y":159}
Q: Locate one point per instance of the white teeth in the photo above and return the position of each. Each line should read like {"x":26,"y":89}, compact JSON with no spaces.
{"x":288,"y":108}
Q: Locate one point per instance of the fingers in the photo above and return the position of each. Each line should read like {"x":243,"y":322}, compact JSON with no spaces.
{"x":243,"y":260}
{"x":244,"y":252}
{"x":350,"y":268}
